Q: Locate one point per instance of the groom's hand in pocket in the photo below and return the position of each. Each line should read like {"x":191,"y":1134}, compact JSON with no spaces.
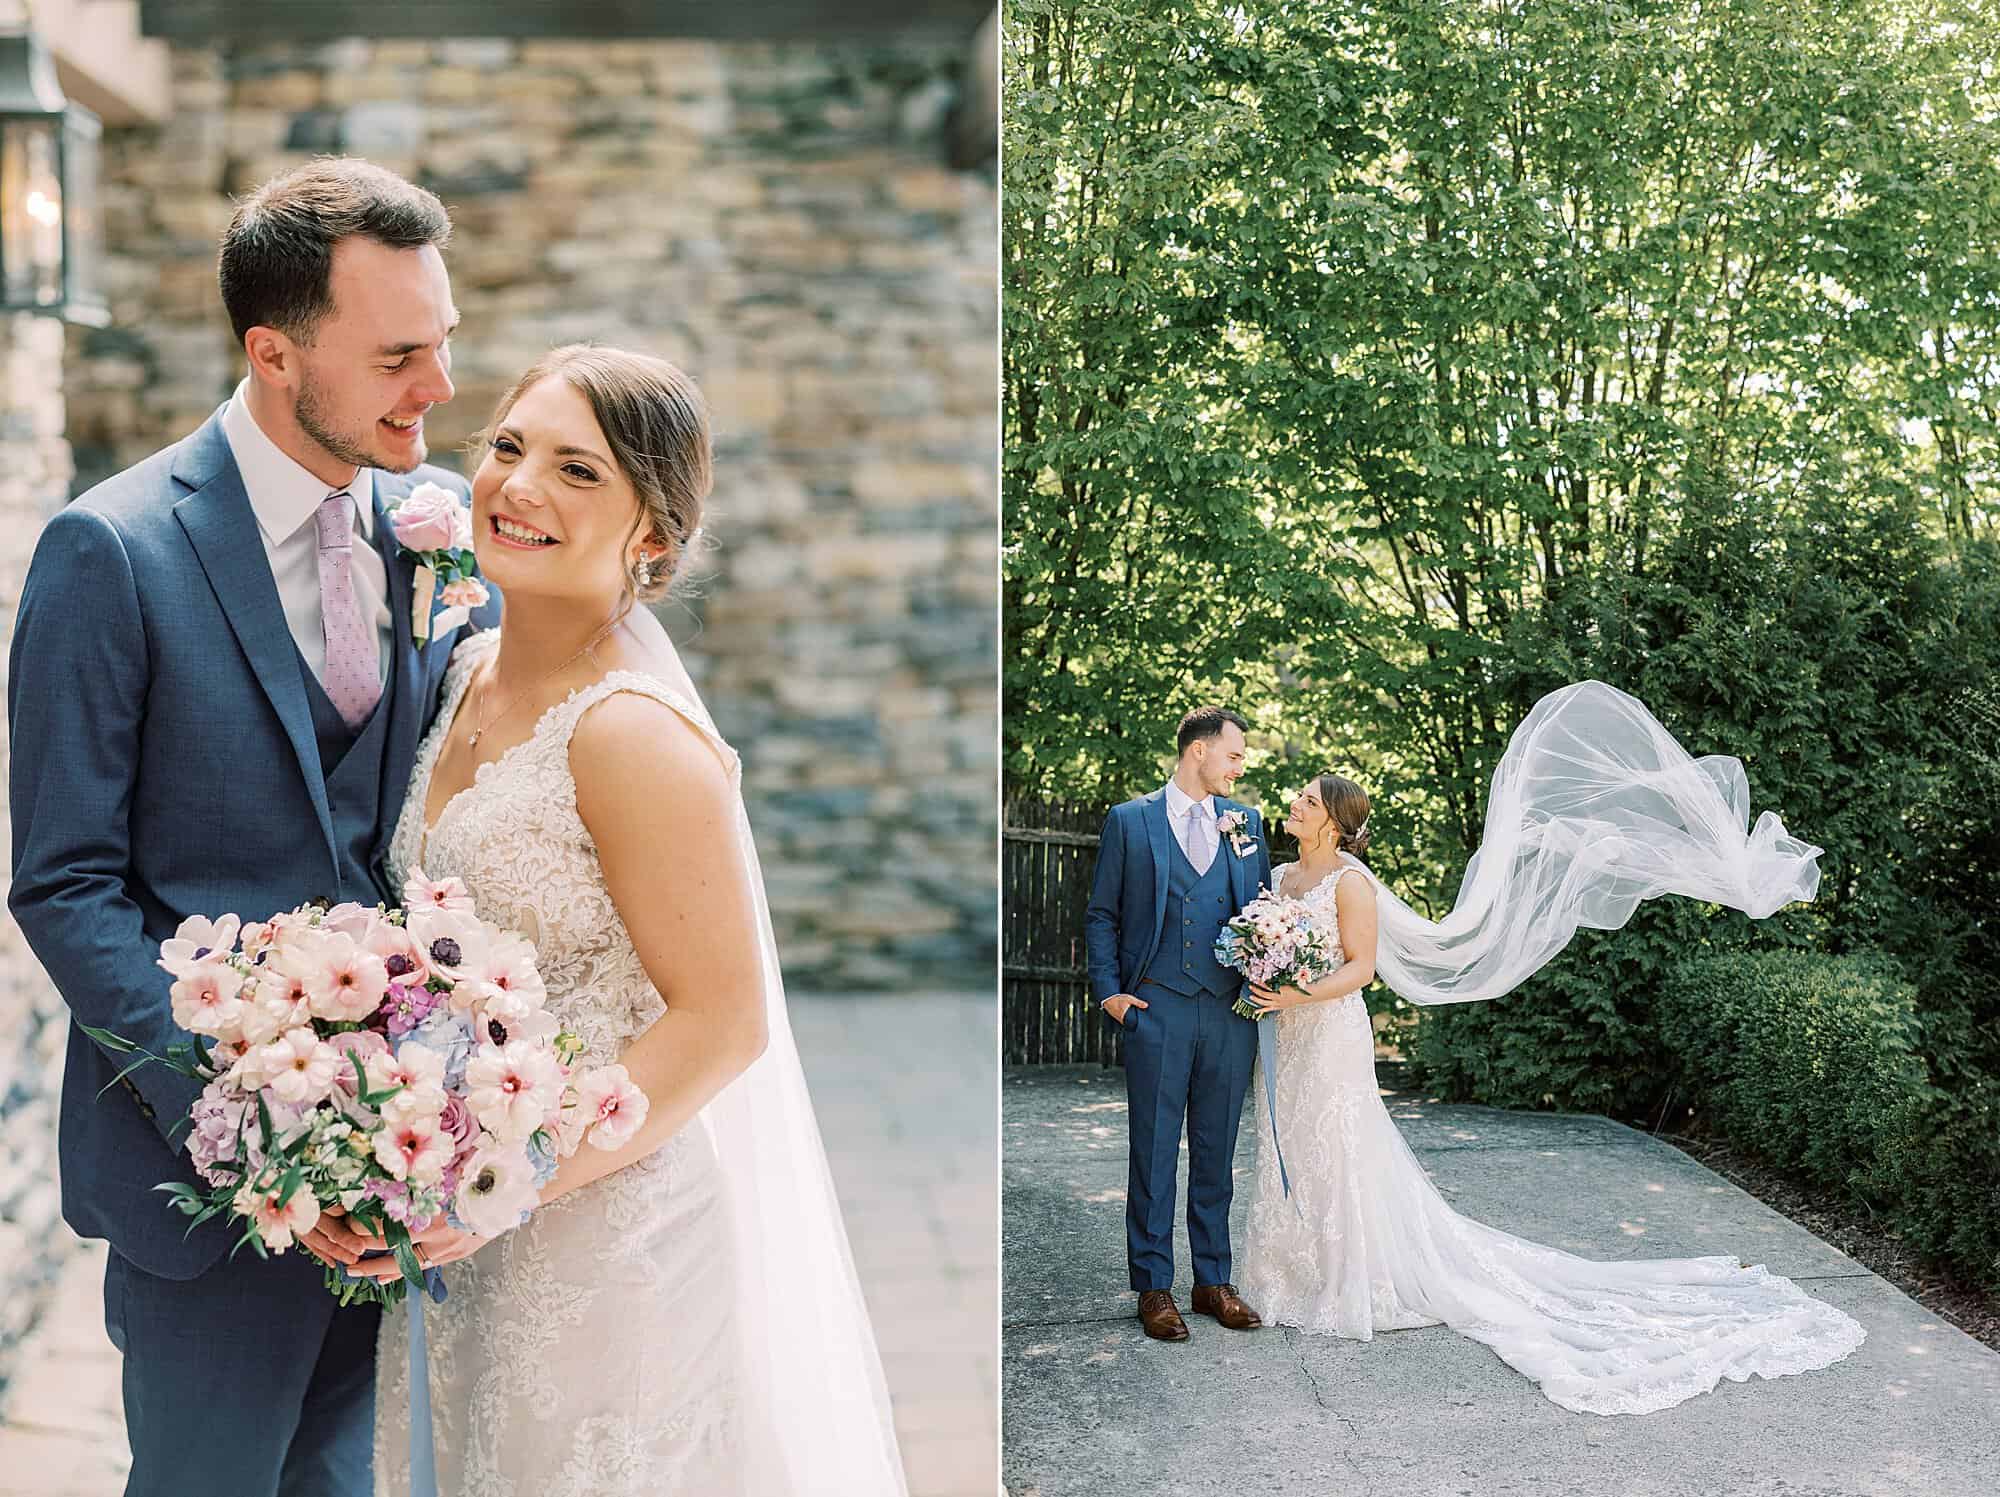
{"x":1118,"y":1005}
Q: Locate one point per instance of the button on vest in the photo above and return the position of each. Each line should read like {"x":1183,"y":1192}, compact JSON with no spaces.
{"x":1198,"y":906}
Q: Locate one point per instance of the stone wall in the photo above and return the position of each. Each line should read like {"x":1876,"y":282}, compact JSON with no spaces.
{"x":778,"y":220}
{"x":34,"y":476}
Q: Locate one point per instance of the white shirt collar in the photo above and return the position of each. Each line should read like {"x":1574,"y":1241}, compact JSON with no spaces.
{"x":1179,"y":802}
{"x":284,"y":495}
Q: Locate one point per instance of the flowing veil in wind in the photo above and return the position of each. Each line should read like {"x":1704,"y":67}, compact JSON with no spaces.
{"x":1594,"y":808}
{"x":810,"y":1350}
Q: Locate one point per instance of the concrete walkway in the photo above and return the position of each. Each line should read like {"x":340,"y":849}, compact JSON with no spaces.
{"x":1092,"y":1406}
{"x":903,"y":1087}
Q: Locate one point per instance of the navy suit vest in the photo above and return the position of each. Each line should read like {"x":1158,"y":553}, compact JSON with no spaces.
{"x":1198,"y":907}
{"x":351,"y":765}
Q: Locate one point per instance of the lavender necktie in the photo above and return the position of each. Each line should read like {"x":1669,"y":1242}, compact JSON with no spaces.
{"x":1201,"y":835}
{"x":353,"y":674}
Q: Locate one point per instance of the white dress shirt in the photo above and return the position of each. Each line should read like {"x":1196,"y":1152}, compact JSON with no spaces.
{"x":285,"y":497}
{"x":1183,"y":811}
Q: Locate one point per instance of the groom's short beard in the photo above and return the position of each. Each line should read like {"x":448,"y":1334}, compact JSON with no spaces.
{"x":312,"y":421}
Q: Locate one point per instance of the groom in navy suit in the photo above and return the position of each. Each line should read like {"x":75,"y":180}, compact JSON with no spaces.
{"x":215,"y":702}
{"x":1173,"y":868}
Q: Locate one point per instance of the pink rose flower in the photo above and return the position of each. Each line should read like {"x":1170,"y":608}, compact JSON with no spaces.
{"x":367,"y":1048}
{"x":431,"y":519}
{"x":611,"y":1106}
{"x":458,"y":1121}
{"x":466,"y":592}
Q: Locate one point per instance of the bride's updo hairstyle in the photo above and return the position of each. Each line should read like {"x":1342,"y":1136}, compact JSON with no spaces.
{"x":657,"y":425}
{"x":1347,"y":803}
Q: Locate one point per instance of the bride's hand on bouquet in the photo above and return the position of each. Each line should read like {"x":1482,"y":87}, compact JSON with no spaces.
{"x":436,"y":1246}
{"x":1270,"y":1000}
{"x":336,"y":1242}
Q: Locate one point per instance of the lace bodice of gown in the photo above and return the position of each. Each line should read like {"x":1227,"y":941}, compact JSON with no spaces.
{"x":1366,"y":1243}
{"x":515,"y":838}
{"x":591,"y":1350}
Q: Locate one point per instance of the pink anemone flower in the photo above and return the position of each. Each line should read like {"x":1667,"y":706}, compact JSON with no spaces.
{"x":611,"y":1106}
{"x":421,"y":893}
{"x":299,"y":1067}
{"x":197,"y":939}
{"x":416,"y":1149}
{"x":511,"y":1088}
{"x":206,"y":1000}
{"x":343,"y":981}
{"x":276,"y":1222}
{"x":498,"y":1184}
{"x":451,"y":940}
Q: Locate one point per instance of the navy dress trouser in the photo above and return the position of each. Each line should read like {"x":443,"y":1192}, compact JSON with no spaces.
{"x":1187,"y":1060}
{"x":249,"y":1334}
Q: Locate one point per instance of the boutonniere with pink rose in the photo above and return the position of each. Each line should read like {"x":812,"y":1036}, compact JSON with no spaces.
{"x":1235,"y":826}
{"x":435,"y":528}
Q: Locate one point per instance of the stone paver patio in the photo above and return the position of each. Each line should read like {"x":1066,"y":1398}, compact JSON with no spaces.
{"x":1093,"y":1407}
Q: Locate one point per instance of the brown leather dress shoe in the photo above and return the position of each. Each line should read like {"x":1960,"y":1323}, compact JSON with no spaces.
{"x":1159,"y":1316}
{"x":1226,"y":1305}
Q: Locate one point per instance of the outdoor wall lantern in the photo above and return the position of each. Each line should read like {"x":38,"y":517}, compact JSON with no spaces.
{"x":50,"y":228}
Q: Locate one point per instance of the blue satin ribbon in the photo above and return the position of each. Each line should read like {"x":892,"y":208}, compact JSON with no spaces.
{"x":1267,"y":1061}
{"x":423,"y":1446}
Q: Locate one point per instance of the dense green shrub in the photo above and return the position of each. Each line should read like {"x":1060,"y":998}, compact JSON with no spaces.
{"x":1818,"y":1064}
{"x":1580,"y":1035}
{"x":1840,"y":658}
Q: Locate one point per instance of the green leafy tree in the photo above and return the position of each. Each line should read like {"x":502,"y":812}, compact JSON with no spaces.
{"x":1378,"y":367}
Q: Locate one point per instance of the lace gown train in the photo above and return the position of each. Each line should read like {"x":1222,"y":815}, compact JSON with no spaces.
{"x":1366,"y":1243}
{"x":591,"y":1352}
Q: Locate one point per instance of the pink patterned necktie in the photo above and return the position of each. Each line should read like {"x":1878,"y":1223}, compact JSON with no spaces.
{"x":353,"y":674}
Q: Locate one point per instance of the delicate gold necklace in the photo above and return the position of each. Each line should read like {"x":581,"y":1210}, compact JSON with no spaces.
{"x":589,"y":645}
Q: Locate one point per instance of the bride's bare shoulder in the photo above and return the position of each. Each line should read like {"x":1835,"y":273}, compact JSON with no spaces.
{"x":635,"y":735}
{"x":1351,"y":894}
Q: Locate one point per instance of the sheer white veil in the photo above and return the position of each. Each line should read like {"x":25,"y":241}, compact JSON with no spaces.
{"x":1594,"y":807}
{"x":827,"y":1427}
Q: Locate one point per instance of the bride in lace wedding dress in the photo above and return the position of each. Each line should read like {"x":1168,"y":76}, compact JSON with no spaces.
{"x":1594,"y":808}
{"x":681,"y":1315}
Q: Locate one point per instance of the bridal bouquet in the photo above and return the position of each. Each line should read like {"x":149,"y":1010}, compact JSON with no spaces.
{"x":396,"y":1063}
{"x":1273,"y":942}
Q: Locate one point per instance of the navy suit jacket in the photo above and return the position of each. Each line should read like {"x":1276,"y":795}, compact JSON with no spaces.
{"x":164,"y":765}
{"x":1128,"y":893}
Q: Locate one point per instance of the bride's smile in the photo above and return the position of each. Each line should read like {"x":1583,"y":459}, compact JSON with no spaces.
{"x":547,"y":483}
